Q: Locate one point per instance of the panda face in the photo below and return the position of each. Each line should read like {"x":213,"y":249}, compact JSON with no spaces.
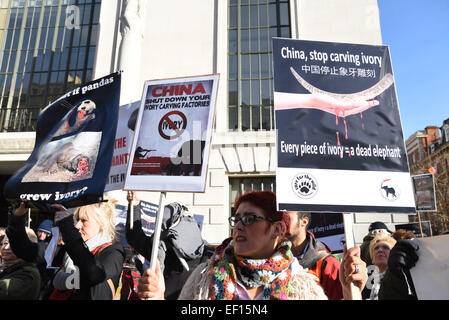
{"x":87,"y":105}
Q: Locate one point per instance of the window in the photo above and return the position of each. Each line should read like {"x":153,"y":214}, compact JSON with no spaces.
{"x":45,"y":51}
{"x":432,"y":148}
{"x":251,"y":25}
{"x":239,"y":186}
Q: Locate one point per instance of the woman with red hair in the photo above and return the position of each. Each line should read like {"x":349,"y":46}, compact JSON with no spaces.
{"x":255,"y":263}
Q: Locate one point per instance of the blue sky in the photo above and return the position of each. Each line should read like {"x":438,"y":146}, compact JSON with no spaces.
{"x":417,"y":33}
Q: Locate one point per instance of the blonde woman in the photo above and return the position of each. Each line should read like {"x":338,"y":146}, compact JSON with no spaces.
{"x":94,"y":258}
{"x":379,"y":249}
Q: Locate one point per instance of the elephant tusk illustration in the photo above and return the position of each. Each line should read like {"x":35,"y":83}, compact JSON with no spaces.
{"x":364,"y":95}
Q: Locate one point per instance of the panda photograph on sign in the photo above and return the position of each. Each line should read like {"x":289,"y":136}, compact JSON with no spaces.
{"x":66,"y":160}
{"x":69,"y":155}
{"x":73,"y":148}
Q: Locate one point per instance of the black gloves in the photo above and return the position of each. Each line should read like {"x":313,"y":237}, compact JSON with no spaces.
{"x":403,"y":256}
{"x":67,"y":227}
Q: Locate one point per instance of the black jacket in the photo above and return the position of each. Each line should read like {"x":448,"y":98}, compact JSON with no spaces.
{"x":94,"y":270}
{"x":29,"y":251}
{"x":394,"y":287}
{"x":175,"y":274}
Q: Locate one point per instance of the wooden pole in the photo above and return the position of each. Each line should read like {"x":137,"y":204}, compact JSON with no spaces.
{"x":349,"y":235}
{"x":420,"y":225}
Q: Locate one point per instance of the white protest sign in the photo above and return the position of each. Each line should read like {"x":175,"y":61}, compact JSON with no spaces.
{"x":51,"y":248}
{"x":431,"y":273}
{"x":122,"y":145}
{"x":170,"y":149}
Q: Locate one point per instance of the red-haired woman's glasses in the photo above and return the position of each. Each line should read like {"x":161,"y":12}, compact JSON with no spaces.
{"x":247,"y":219}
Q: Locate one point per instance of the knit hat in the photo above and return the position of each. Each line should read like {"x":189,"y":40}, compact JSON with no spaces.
{"x":45,"y":226}
{"x":378,"y":225}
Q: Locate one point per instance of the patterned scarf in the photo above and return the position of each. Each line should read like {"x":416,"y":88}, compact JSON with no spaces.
{"x":274,"y":273}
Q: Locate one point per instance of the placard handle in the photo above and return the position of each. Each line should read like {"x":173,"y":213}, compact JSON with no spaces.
{"x":349,"y":235}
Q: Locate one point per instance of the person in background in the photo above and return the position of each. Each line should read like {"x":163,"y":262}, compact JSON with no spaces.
{"x":379,"y":248}
{"x":403,"y":234}
{"x":27,"y":250}
{"x":19,"y":279}
{"x":2,"y":234}
{"x":256,"y":263}
{"x":181,"y":246}
{"x":93,"y":253}
{"x":398,"y":282}
{"x":314,"y":255}
{"x":44,"y":230}
{"x":374,"y":229}
{"x":132,"y":270}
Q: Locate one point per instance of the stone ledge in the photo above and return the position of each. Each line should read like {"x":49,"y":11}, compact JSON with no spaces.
{"x":17,"y":142}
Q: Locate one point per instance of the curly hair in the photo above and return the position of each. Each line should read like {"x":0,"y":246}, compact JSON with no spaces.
{"x":382,"y":238}
{"x":103,"y":213}
{"x":403,"y":234}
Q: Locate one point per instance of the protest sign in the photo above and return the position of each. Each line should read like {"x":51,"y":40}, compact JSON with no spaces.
{"x":328,"y":228}
{"x":424,"y":187}
{"x":199,"y":220}
{"x":73,"y":149}
{"x":423,"y":230}
{"x":122,"y":145}
{"x":147,"y":217}
{"x":171,"y":145}
{"x":51,"y":249}
{"x":340,"y":145}
{"x":431,"y":273}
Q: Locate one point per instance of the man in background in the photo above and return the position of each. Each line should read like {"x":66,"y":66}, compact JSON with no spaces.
{"x":314,"y":255}
{"x":44,"y":230}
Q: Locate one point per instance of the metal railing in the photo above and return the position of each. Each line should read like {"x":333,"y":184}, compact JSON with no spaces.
{"x":18,"y":119}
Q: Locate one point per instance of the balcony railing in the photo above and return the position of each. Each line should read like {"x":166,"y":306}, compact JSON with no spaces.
{"x":18,"y":119}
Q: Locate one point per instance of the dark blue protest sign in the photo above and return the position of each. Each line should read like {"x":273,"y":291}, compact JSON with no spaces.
{"x":72,"y":155}
{"x":328,"y":228}
{"x":147,"y":218}
{"x":340,"y":144}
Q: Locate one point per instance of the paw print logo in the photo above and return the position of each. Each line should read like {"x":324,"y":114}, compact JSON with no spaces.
{"x":304,"y":185}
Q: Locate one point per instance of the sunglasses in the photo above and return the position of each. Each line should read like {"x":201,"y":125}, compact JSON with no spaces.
{"x":247,"y":220}
{"x":383,"y":247}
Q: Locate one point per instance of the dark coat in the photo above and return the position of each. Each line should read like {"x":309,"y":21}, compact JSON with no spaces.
{"x":175,"y":274}
{"x":94,"y":270}
{"x":20,"y":281}
{"x":394,"y":287}
{"x":27,"y":250}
